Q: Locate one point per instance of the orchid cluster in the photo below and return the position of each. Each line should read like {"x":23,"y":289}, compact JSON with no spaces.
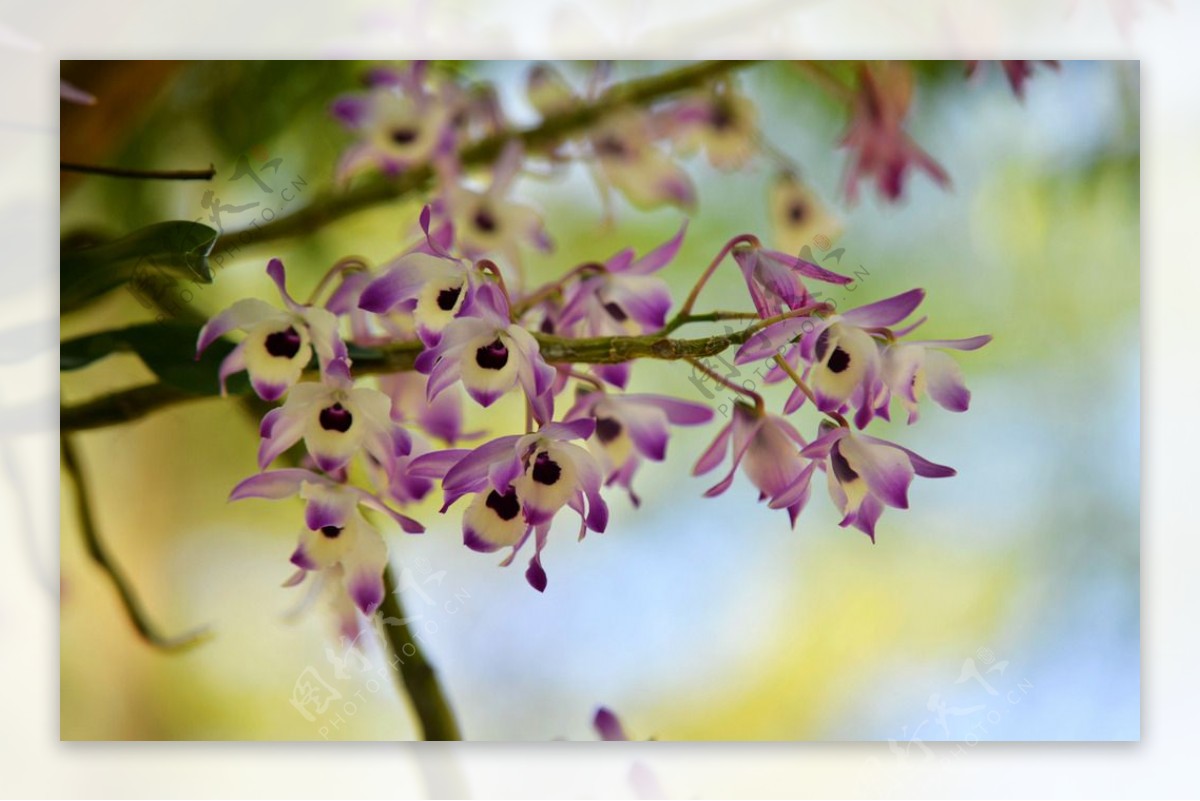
{"x":478,"y":335}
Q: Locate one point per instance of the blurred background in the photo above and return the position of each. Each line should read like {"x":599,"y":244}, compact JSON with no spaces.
{"x":1002,"y":606}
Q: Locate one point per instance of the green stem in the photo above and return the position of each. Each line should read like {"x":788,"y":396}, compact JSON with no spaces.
{"x":552,"y":130}
{"x":131,"y":404}
{"x":417,"y":677}
{"x":95,"y":548}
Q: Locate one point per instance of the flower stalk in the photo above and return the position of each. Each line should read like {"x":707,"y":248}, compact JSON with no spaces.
{"x":417,"y":678}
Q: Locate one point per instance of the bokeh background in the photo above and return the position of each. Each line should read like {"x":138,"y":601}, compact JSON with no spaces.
{"x":1002,"y":606}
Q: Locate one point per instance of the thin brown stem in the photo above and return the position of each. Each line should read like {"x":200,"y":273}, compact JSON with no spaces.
{"x":686,"y":308}
{"x":821,"y":76}
{"x":759,"y":403}
{"x":707,"y":317}
{"x":145,"y":175}
{"x":350,"y":264}
{"x":588,"y":379}
{"x":100,"y":555}
{"x":552,"y":288}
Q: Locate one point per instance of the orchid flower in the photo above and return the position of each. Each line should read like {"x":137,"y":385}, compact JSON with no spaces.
{"x":520,"y":483}
{"x":441,"y":417}
{"x":798,"y":217}
{"x":400,"y":122}
{"x":608,"y":725}
{"x":846,"y":369}
{"x":910,"y":369}
{"x":427,"y":280}
{"x":767,"y":448}
{"x":775,"y":279}
{"x":876,"y":135}
{"x":631,"y":427}
{"x":335,"y":419}
{"x":1015,"y":72}
{"x":627,"y":157}
{"x":866,"y":474}
{"x":400,"y":484}
{"x":335,"y":533}
{"x":721,"y":122}
{"x":621,"y":298}
{"x":279,"y":342}
{"x":490,"y":354}
{"x":488,"y":222}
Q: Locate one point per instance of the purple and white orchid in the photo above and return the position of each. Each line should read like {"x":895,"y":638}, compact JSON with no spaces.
{"x":335,"y":533}
{"x":721,"y":122}
{"x":632,"y":427}
{"x":335,"y":419}
{"x":488,"y":222}
{"x":279,"y":343}
{"x":767,"y":448}
{"x":845,"y":365}
{"x":910,"y":369}
{"x":490,"y":354}
{"x":427,"y":280}
{"x":866,"y":474}
{"x":628,"y":158}
{"x":520,"y":483}
{"x":798,"y":216}
{"x":776,"y":280}
{"x":441,"y":417}
{"x":621,"y":297}
{"x":400,"y":122}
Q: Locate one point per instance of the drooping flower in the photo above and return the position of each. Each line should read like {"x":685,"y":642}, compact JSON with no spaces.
{"x":335,"y":419}
{"x":427,"y":280}
{"x":335,"y":533}
{"x":399,"y":120}
{"x":608,"y":725}
{"x":441,"y":417}
{"x":721,"y":122}
{"x":910,"y":369}
{"x":846,"y":368}
{"x":279,"y":343}
{"x":767,"y":448}
{"x":866,"y":474}
{"x":798,"y":217}
{"x":775,"y":279}
{"x":520,"y":483}
{"x":623,"y":148}
{"x":488,"y":222}
{"x":630,"y":427}
{"x":1015,"y":72}
{"x":880,"y":147}
{"x":399,"y":484}
{"x":844,"y":356}
{"x":621,"y":297}
{"x":490,"y":354}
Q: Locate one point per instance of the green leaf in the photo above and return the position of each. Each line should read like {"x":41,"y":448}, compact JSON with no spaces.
{"x":167,"y":348}
{"x":150,"y":260}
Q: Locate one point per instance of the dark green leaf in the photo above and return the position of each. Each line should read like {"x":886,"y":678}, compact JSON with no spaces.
{"x":150,"y":261}
{"x":168,"y":349}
